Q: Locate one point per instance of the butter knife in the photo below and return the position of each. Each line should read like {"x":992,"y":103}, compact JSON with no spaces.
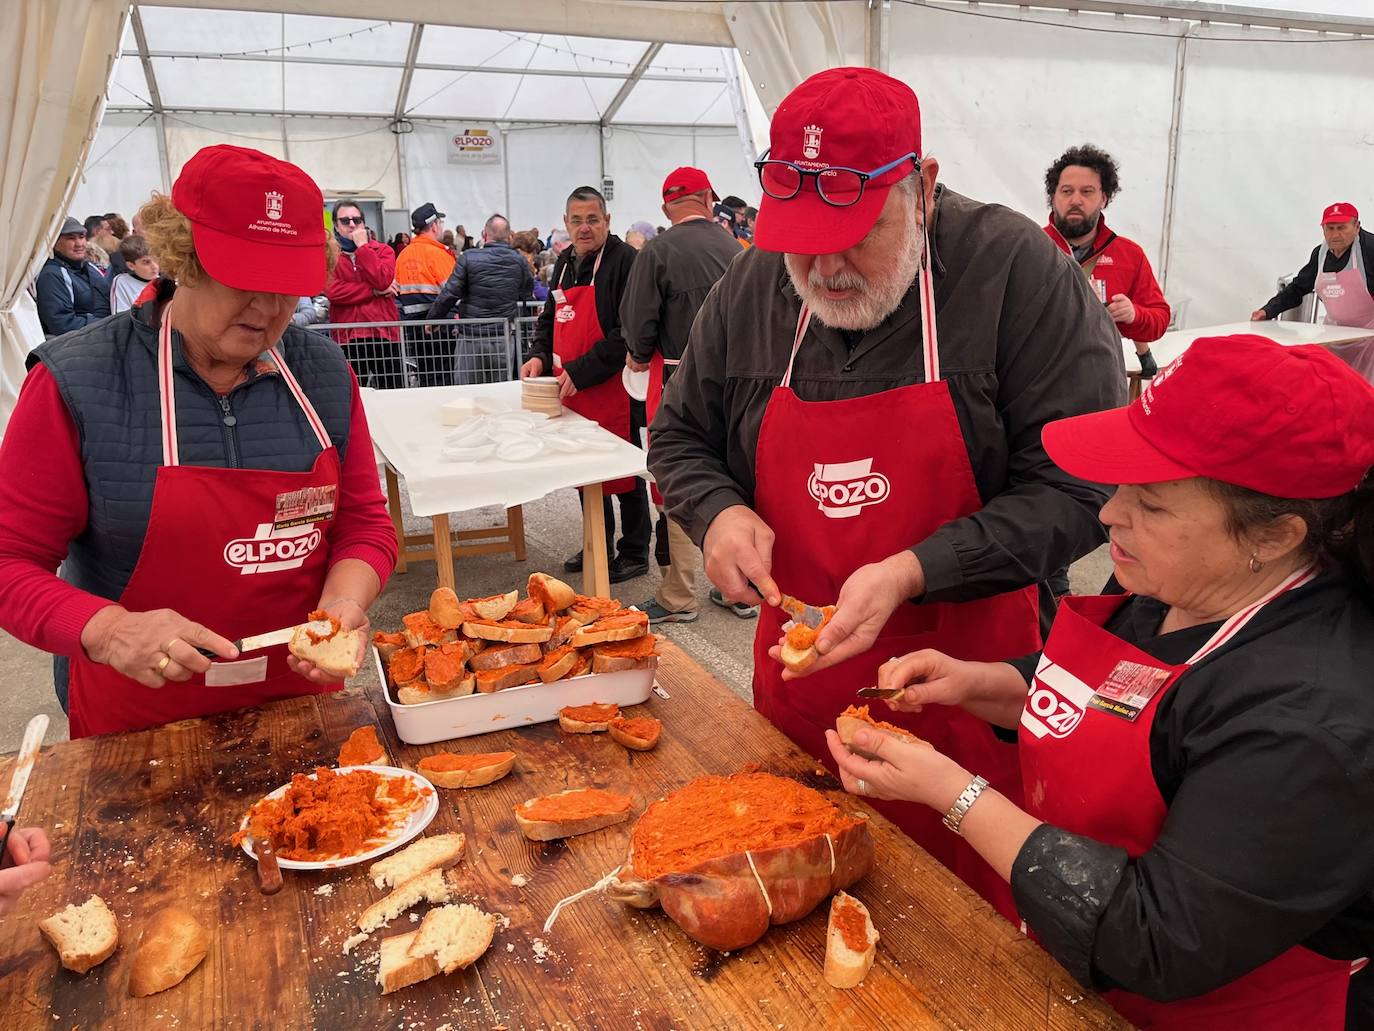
{"x":23,"y":766}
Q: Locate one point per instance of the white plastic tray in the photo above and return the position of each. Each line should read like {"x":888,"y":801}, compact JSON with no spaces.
{"x":477,"y":713}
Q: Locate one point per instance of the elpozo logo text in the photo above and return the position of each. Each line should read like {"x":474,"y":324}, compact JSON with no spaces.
{"x":270,"y":550}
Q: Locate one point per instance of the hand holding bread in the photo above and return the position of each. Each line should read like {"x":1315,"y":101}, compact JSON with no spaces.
{"x":902,"y":768}
{"x":327,"y":655}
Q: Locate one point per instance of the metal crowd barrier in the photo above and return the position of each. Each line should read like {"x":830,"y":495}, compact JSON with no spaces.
{"x":432,"y":352}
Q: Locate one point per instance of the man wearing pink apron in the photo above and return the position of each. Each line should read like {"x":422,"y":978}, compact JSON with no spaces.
{"x":820,"y":438}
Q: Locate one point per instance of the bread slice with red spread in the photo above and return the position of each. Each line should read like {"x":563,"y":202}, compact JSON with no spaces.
{"x":421,"y":630}
{"x":334,"y":651}
{"x":575,"y":811}
{"x":639,"y":733}
{"x":447,"y":770}
{"x":499,"y":655}
{"x":621,"y":627}
{"x":490,"y":680}
{"x":512,"y":631}
{"x":615,"y":656}
{"x":557,"y":664}
{"x":554,"y":593}
{"x":587,"y":719}
{"x":498,"y":606}
{"x":854,"y":719}
{"x":851,"y":942}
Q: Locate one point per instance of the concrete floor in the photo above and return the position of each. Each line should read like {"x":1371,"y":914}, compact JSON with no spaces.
{"x":719,"y":640}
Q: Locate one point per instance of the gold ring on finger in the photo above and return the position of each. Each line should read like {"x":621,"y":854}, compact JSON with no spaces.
{"x":163,"y":663}
{"x":168,"y":646}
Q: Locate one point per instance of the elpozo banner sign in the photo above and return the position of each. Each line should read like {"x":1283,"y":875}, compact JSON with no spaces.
{"x":477,"y":145}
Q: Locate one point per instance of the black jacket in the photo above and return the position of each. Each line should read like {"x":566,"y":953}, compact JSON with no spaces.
{"x":486,"y":283}
{"x":71,"y":295}
{"x":607,"y":356}
{"x":1291,"y":295}
{"x":670,"y":280}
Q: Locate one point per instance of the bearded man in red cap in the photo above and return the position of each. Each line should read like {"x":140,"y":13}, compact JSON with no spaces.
{"x":821,"y":438}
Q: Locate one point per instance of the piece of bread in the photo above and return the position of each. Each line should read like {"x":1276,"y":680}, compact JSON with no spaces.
{"x":84,"y":936}
{"x":416,"y":693}
{"x":172,"y":945}
{"x":798,"y":652}
{"x":388,"y":645}
{"x":421,"y":630}
{"x":407,"y":666}
{"x":334,"y":651}
{"x":446,"y":770}
{"x":497,"y":656}
{"x":446,"y":670}
{"x":509,"y":630}
{"x":446,"y":610}
{"x":851,"y":942}
{"x":432,"y":853}
{"x":554,"y":593}
{"x":587,"y":719}
{"x":563,"y":629}
{"x":492,"y":680}
{"x":575,"y":811}
{"x":621,"y":627}
{"x":531,"y":610}
{"x":453,"y":936}
{"x":362,"y":749}
{"x":580,"y":668}
{"x":399,"y":969}
{"x":587,"y":609}
{"x":557,"y":664}
{"x":433,"y":886}
{"x":639,"y":733}
{"x":496,"y":607}
{"x":614,"y":656}
{"x":854,"y":719}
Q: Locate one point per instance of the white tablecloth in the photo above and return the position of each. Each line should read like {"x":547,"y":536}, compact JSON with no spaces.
{"x":407,"y":430}
{"x":1175,"y":342}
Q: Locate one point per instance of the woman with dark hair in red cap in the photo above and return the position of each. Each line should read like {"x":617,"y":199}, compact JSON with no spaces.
{"x":199,"y":468}
{"x":1197,"y":746}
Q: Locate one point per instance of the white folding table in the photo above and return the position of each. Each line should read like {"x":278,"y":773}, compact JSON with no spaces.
{"x":408,"y":432}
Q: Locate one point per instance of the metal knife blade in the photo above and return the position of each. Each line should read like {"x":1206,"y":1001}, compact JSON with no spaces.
{"x":802,"y":612}
{"x":886,"y":694}
{"x":23,"y":766}
{"x":268,"y":640}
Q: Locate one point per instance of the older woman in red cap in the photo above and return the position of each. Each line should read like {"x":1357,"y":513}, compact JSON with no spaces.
{"x":1197,"y":746}
{"x":198,"y":467}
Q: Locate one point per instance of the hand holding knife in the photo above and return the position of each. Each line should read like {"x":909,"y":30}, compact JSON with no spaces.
{"x":23,"y":766}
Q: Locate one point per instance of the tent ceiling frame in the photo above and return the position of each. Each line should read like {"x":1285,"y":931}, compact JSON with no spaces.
{"x":623,"y":94}
{"x":1227,"y":14}
{"x":383,"y":120}
{"x":141,"y":39}
{"x":403,"y":90}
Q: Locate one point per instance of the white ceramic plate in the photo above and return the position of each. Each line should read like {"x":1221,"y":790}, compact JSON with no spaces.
{"x":411,"y":828}
{"x":636,"y":383}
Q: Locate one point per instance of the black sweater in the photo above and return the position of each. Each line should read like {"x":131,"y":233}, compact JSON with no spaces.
{"x":1291,"y":295}
{"x":607,"y":356}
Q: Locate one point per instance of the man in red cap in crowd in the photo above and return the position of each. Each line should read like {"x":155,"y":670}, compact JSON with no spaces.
{"x":820,"y":438}
{"x":1345,"y":282}
{"x":668,"y":283}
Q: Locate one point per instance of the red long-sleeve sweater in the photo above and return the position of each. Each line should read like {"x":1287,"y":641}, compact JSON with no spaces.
{"x":43,"y":506}
{"x":1122,"y":265}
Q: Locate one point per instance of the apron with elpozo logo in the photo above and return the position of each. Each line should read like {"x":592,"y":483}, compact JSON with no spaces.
{"x":845,"y":483}
{"x":1085,"y":758}
{"x":1345,"y":296}
{"x":241,"y":551}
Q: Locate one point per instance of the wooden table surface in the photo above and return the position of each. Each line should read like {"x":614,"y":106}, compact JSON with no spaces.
{"x":143,"y":820}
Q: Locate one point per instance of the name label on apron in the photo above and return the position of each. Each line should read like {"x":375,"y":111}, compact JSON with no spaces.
{"x":307,"y":505}
{"x":1128,"y":689}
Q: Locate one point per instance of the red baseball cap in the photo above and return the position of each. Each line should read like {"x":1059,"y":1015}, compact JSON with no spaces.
{"x":848,"y":118}
{"x":686,"y":180}
{"x":1294,"y":422}
{"x":1339,"y":212}
{"x":257,"y":222}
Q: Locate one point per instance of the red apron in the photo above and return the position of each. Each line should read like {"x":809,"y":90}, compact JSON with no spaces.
{"x":576,"y":327}
{"x":1345,"y":295}
{"x":1083,"y":751}
{"x":214,"y":553}
{"x":846,"y":483}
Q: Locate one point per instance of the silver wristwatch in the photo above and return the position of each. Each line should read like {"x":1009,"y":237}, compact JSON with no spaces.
{"x":964,"y":803}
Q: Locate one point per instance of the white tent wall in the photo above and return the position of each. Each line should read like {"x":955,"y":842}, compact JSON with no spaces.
{"x":638,"y":158}
{"x":123,"y":169}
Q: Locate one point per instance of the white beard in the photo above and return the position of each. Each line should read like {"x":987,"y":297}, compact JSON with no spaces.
{"x":877,"y":297}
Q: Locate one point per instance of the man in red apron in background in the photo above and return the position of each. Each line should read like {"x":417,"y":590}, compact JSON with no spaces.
{"x":1341,"y":273}
{"x":578,"y":340}
{"x":821,"y":438}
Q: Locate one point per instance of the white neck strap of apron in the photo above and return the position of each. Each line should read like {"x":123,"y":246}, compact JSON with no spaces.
{"x":1356,"y":259}
{"x":596,"y":266}
{"x":1237,"y":622}
{"x":166,"y":386}
{"x":930,"y":342}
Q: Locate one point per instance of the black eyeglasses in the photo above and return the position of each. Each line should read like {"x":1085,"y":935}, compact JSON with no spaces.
{"x":349,"y":220}
{"x":838,"y":186}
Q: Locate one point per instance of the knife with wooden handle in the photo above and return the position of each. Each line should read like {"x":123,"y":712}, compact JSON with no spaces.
{"x":269,"y":873}
{"x":23,"y":766}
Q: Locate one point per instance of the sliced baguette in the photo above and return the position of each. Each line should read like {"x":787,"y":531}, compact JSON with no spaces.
{"x":492,"y":680}
{"x":851,"y":942}
{"x":453,"y":936}
{"x":582,"y":666}
{"x":433,"y":853}
{"x":422,"y":630}
{"x":640,"y":733}
{"x":399,"y":969}
{"x":446,"y":770}
{"x":416,"y":693}
{"x":172,"y":945}
{"x":855,"y":719}
{"x":362,"y":748}
{"x":84,"y":936}
{"x":621,"y":627}
{"x":563,"y":629}
{"x":511,"y":631}
{"x":335,"y":652}
{"x":558,"y":664}
{"x":614,"y":656}
{"x":587,"y":719}
{"x":388,"y":645}
{"x":531,"y":610}
{"x":586,"y":609}
{"x":575,"y":811}
{"x":554,"y":593}
{"x":432,"y":886}
{"x":506,"y":655}
{"x":446,"y":671}
{"x":496,"y":607}
{"x":407,"y":666}
{"x":446,"y":610}
{"x":798,"y":651}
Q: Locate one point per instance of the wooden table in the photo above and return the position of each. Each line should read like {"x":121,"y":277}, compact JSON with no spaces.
{"x":143,"y":818}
